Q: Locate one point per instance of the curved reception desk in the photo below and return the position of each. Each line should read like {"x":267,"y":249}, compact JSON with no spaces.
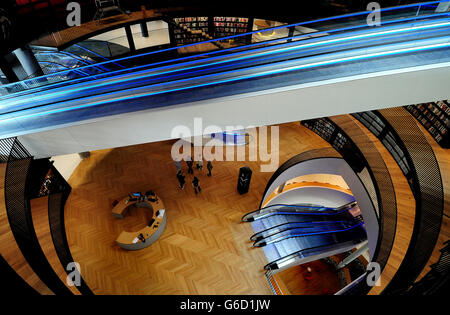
{"x":149,"y":234}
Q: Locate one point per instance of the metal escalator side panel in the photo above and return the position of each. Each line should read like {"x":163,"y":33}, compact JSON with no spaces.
{"x":293,"y":222}
{"x":285,"y":230}
{"x":315,"y":235}
{"x":295,"y":209}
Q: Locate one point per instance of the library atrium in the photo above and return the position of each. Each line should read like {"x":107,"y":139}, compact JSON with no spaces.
{"x":180,"y":148}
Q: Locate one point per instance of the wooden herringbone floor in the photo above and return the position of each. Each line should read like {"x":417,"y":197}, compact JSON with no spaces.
{"x":205,"y":249}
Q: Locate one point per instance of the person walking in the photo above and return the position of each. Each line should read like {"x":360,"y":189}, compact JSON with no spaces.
{"x":209,"y":167}
{"x":190,"y":165}
{"x":181,"y":180}
{"x":200,"y":163}
{"x":195,"y":184}
{"x":178,"y":165}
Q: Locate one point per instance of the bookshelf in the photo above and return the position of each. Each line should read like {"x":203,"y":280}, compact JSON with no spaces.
{"x":197,"y":25}
{"x":384,"y":132}
{"x":331,"y":133}
{"x":435,"y":118}
{"x":229,"y":26}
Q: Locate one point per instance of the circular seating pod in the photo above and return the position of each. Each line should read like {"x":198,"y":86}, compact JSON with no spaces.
{"x":149,"y":234}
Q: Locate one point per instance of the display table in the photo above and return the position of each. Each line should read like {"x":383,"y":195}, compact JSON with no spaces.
{"x":148,"y":235}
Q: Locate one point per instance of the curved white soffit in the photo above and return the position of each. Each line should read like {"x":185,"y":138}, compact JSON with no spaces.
{"x":313,"y":195}
{"x":337,"y":166}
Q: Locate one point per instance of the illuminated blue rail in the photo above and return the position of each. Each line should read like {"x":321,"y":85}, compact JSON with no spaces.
{"x":344,"y":51}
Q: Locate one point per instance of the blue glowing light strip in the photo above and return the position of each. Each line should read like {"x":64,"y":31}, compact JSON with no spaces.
{"x":94,"y":77}
{"x":253,"y":76}
{"x":316,"y":233}
{"x":275,"y":230}
{"x":265,"y":30}
{"x":302,"y":46}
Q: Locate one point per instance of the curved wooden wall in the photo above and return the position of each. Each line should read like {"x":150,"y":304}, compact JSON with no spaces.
{"x":9,"y":248}
{"x":388,"y":204}
{"x":405,"y":209}
{"x":429,"y":196}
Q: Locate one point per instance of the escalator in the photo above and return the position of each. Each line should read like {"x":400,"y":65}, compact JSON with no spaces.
{"x":340,"y":47}
{"x":295,"y":248}
{"x":299,"y":209}
{"x":290,"y":233}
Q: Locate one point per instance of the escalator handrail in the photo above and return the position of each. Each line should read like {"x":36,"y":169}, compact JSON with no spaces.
{"x":288,"y":227}
{"x":107,"y":74}
{"x":279,"y":260}
{"x":283,"y":205}
{"x":344,"y":207}
{"x":350,"y":15}
{"x":312,"y":234}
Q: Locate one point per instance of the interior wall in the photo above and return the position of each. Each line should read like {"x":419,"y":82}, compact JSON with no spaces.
{"x":66,"y":164}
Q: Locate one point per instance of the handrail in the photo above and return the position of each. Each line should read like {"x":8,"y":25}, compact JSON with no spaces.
{"x":72,"y":80}
{"x":276,"y":290}
{"x":270,"y":282}
{"x":277,"y":262}
{"x":259,"y":212}
{"x":257,"y":236}
{"x":353,"y":286}
{"x":289,"y":26}
{"x":260,"y":239}
{"x":286,"y":237}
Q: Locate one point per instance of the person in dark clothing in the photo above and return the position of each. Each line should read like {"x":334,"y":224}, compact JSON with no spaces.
{"x":195,"y":184}
{"x":209,"y":167}
{"x":181,"y":179}
{"x":190,"y":165}
{"x":199,"y":163}
{"x":178,"y":165}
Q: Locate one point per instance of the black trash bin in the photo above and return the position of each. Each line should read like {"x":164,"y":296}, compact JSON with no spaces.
{"x":245,"y":175}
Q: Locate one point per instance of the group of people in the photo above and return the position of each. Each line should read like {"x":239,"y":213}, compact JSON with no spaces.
{"x":190,"y":164}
